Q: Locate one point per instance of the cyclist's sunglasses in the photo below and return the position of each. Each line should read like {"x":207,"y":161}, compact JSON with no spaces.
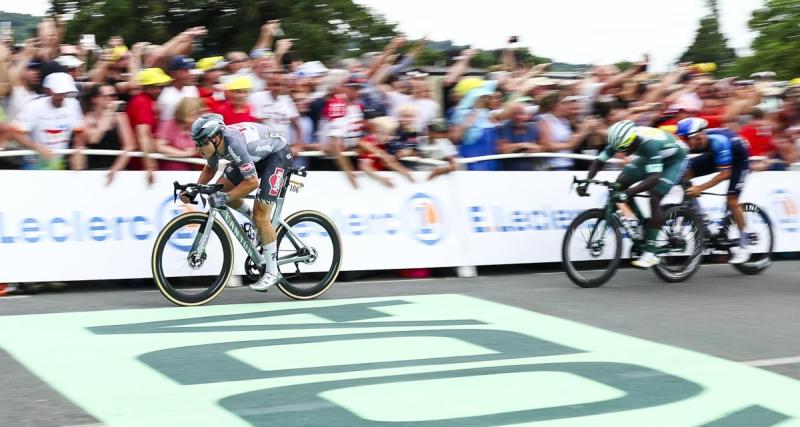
{"x":202,"y":142}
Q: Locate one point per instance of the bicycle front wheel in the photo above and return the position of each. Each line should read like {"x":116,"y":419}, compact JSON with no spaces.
{"x":309,"y":258}
{"x":761,"y":238}
{"x":679,"y":245}
{"x":187,"y":278}
{"x":591,"y":250}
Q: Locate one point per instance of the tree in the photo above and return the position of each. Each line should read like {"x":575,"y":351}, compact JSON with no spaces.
{"x":23,"y":26}
{"x":710,"y":45}
{"x":778,"y":41}
{"x":324,"y":30}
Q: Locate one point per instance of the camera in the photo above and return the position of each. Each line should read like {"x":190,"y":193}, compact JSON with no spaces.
{"x":513,"y":39}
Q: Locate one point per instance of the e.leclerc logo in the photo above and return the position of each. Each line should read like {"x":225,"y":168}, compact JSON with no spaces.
{"x":77,"y":226}
{"x":425,"y":219}
{"x":785,"y":211}
{"x":183,"y":239}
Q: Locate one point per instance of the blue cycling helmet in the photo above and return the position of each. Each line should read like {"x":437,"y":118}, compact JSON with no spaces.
{"x":691,"y":126}
{"x":205,"y":127}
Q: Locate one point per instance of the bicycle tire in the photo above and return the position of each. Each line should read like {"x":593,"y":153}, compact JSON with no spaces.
{"x":168,"y":289}
{"x":683,"y":272}
{"x":286,"y":285}
{"x":572,"y":272}
{"x":759,"y":264}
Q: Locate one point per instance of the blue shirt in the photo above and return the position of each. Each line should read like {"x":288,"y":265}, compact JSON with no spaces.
{"x":510,"y":133}
{"x":727,"y":148}
{"x":480,"y":139}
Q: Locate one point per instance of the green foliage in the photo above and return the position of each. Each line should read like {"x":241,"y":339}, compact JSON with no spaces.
{"x":21,"y":25}
{"x":778,"y":41}
{"x":324,"y":30}
{"x":710,"y":45}
{"x":623,"y":65}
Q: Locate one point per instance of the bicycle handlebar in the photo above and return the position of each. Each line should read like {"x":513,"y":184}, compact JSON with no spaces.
{"x":610,"y":184}
{"x":193,"y":190}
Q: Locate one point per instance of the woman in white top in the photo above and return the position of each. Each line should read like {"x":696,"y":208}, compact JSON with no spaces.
{"x":556,"y":129}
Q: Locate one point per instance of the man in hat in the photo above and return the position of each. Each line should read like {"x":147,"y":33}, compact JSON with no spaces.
{"x":179,"y":70}
{"x":51,"y":122}
{"x":143,"y":113}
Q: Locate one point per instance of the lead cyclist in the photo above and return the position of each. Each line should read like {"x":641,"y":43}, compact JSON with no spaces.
{"x":658,"y":166}
{"x":254,"y":151}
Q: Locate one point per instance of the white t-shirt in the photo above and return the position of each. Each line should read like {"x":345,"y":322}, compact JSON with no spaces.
{"x":277,"y":113}
{"x":48,"y":125}
{"x":169,"y":99}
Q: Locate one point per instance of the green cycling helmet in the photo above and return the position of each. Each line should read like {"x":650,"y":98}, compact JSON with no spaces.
{"x":621,"y":134}
{"x":205,"y":127}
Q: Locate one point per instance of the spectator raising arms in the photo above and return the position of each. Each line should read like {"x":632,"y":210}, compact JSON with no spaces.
{"x":107,"y":129}
{"x":473,"y":130}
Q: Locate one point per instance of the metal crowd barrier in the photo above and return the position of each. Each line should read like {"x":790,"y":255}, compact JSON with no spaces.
{"x":411,"y":159}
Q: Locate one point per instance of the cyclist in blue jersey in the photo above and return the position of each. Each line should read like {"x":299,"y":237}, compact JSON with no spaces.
{"x":726,"y":154}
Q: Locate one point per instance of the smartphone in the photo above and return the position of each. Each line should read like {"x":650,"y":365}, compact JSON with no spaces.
{"x":513,"y":39}
{"x":278,"y":32}
{"x":88,"y":41}
{"x":121,"y":106}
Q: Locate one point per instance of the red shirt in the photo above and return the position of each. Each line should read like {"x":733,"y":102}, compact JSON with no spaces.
{"x":231,"y":117}
{"x":368,"y":159}
{"x":142,"y":110}
{"x":760,"y":138}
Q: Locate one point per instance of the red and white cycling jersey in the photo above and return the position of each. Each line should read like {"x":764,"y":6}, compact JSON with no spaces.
{"x":342,"y":119}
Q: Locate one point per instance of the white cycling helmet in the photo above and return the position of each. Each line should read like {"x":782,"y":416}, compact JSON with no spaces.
{"x":621,"y":134}
{"x":691,"y":126}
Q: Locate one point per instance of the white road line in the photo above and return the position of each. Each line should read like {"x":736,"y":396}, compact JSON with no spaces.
{"x":14,"y":297}
{"x":773,"y":362}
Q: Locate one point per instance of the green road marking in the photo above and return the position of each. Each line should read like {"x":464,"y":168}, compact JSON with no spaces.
{"x":434,"y":360}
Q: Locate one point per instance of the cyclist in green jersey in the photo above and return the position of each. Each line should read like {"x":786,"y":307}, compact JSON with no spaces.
{"x":659,"y":164}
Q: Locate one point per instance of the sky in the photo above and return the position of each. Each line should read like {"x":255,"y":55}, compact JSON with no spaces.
{"x":575,"y":31}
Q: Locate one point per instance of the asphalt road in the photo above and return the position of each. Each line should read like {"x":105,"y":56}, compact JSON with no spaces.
{"x":719,"y":312}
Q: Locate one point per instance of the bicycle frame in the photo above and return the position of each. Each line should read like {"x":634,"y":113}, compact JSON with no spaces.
{"x":612,"y":214}
{"x":199,"y":244}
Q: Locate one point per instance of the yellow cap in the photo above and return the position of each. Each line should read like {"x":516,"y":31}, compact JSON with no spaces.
{"x":208,"y":63}
{"x":152,"y":77}
{"x":239,"y":83}
{"x":705,"y":67}
{"x":467,"y":84}
{"x":794,"y":82}
{"x":117,"y":53}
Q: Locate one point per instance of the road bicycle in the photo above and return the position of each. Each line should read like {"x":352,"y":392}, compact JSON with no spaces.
{"x":594,"y":243}
{"x":722,"y":236}
{"x":192,"y":262}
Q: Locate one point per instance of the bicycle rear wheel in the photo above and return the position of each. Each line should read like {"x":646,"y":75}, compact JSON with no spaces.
{"x":319,"y":238}
{"x":187,"y":279}
{"x":591,"y":249}
{"x":761,"y":238}
{"x":679,"y":245}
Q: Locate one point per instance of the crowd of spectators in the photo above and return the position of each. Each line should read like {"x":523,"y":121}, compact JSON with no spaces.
{"x":372,"y":113}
